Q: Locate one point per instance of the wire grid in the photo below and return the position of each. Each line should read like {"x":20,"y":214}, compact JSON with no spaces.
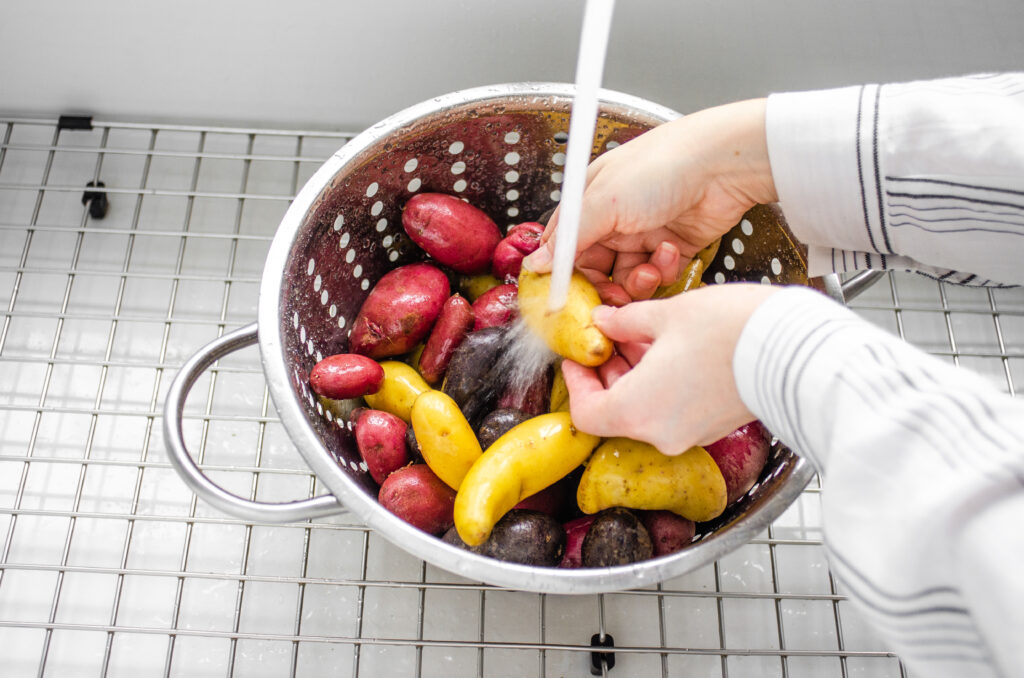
{"x":110,"y":567}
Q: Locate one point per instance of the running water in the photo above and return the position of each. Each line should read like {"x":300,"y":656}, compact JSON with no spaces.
{"x":526,"y":356}
{"x":597,"y":20}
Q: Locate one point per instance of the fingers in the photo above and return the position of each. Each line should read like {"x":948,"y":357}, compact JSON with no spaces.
{"x":589,"y":401}
{"x":612,"y":294}
{"x":635,"y":322}
{"x":642,"y":282}
{"x":612,"y":370}
{"x":667,"y":260}
{"x":632,"y":351}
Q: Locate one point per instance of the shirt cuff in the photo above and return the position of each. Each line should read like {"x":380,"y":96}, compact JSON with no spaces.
{"x":823,"y":166}
{"x":786,"y":358}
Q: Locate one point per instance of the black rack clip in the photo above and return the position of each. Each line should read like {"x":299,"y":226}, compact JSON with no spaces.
{"x":74,"y":122}
{"x":601,"y":662}
{"x":96,"y":200}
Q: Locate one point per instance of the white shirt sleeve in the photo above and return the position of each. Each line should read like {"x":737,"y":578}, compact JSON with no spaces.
{"x":925,"y":176}
{"x":923,"y":474}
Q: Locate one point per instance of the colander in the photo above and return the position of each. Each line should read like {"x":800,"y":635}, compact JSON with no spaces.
{"x":502,"y":148}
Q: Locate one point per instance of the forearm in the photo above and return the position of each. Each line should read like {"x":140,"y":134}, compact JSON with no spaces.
{"x":924,"y":176}
{"x":922,"y":465}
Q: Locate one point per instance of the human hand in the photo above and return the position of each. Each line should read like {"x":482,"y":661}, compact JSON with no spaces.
{"x":651,"y":204}
{"x":672,"y":383}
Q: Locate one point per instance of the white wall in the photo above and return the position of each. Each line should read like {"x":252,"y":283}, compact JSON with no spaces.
{"x":344,"y":65}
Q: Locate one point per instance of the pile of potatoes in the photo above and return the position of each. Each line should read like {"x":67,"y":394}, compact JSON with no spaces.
{"x":496,"y":466}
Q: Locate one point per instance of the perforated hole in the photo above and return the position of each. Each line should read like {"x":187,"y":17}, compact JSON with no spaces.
{"x":558,"y":158}
{"x":765,"y":280}
{"x":557,"y":177}
{"x":561,"y":137}
{"x":556,"y":195}
{"x":317,"y":282}
{"x":295,"y":320}
{"x":511,"y":158}
{"x":746,"y":227}
{"x":512,"y":138}
{"x":323,"y":298}
{"x":776,"y":266}
{"x":729,"y":262}
{"x":512,"y":195}
{"x":458,"y":167}
{"x":377,"y":208}
{"x":344,"y":240}
{"x":719,"y":277}
{"x":366,"y":283}
{"x":611,"y":144}
{"x":302,"y":334}
{"x":387,"y":241}
{"x":341,"y":322}
{"x":511,"y":176}
{"x":392,"y":257}
{"x":357,"y":271}
{"x":333,"y":310}
{"x":513,"y":211}
{"x":310,"y":267}
{"x":737,"y":246}
{"x":459,"y":186}
{"x":339,"y":221}
{"x":382,"y":225}
{"x":371,"y":190}
{"x":411,"y":164}
{"x":350,"y":256}
{"x":456,"y":147}
{"x":414,"y":185}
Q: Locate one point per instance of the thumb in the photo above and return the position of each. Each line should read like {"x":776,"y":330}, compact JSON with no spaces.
{"x":638,"y":322}
{"x":539,"y":261}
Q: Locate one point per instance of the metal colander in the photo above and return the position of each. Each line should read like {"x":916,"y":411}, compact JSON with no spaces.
{"x":502,"y":148}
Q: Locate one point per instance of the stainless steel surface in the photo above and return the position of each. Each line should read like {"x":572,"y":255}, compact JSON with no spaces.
{"x":110,"y":567}
{"x":500,"y":147}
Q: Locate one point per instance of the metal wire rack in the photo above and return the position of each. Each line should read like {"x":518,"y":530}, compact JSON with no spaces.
{"x":110,"y":567}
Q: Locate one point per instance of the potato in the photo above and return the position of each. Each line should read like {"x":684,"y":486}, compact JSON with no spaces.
{"x":346,"y":375}
{"x":669,"y":532}
{"x":558,"y":401}
{"x":741,"y":457}
{"x":472,"y":286}
{"x":569,"y":332}
{"x":472,"y":379}
{"x":402,"y":385}
{"x":616,"y":537}
{"x":380,"y":437}
{"x":496,"y":307}
{"x":452,"y":326}
{"x":446,"y":439}
{"x":417,"y":496}
{"x":414,"y":447}
{"x":451,"y":231}
{"x":498,"y":423}
{"x":399,"y":311}
{"x":575,"y":531}
{"x":521,"y":536}
{"x":633,"y":474}
{"x":551,"y":501}
{"x":521,"y":240}
{"x":531,"y":397}
{"x":533,"y":455}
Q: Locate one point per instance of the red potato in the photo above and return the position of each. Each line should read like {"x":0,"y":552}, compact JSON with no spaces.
{"x":551,"y":500}
{"x":417,"y":496}
{"x":346,"y":375}
{"x":399,"y":311}
{"x":496,"y":307}
{"x":522,"y":239}
{"x":453,"y":232}
{"x":669,"y":532}
{"x":575,"y":531}
{"x":380,"y":437}
{"x":741,"y":457}
{"x":454,"y":323}
{"x":532,"y":398}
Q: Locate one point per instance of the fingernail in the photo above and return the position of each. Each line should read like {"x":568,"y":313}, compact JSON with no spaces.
{"x":601,"y":313}
{"x":647,"y":280}
{"x":539,"y":261}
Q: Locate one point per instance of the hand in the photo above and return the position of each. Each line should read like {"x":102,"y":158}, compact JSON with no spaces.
{"x":651,"y":204}
{"x":673,"y":385}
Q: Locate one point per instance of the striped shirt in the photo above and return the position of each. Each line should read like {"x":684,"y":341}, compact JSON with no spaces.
{"x":922,"y":463}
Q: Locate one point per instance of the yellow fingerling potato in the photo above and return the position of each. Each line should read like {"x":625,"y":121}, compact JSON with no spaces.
{"x":447,"y":441}
{"x":472,"y":286}
{"x":533,"y":455}
{"x":559,"y":401}
{"x":413,"y":357}
{"x":691,"y":276}
{"x":402,"y":385}
{"x":569,"y":332}
{"x":633,"y":474}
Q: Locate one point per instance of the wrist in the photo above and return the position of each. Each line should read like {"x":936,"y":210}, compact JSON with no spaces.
{"x":734,"y":150}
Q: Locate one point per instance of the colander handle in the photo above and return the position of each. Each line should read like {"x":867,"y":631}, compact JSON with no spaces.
{"x":285,"y":512}
{"x":858,"y":283}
